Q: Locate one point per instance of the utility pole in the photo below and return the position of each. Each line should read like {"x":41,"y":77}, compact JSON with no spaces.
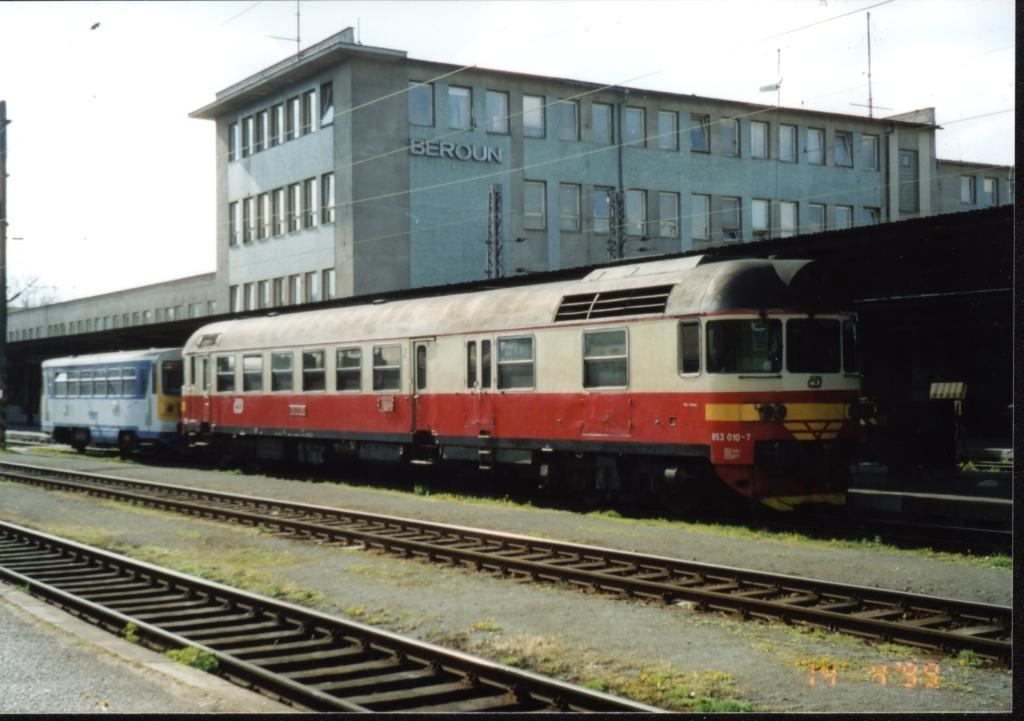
{"x":494,"y":241}
{"x":3,"y":274}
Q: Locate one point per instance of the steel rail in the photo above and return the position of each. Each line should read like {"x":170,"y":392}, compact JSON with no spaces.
{"x":933,"y":622}
{"x":308,"y":658}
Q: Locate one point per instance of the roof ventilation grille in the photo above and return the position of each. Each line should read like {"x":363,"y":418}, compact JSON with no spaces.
{"x":613,"y":303}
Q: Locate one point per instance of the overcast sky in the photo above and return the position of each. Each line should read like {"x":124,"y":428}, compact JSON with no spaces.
{"x":112,"y":185}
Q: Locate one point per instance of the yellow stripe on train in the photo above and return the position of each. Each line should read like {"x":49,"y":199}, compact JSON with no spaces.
{"x":794,"y":412}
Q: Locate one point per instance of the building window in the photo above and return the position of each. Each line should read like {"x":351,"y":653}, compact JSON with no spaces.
{"x":349,"y":369}
{"x":294,"y":118}
{"x":533,"y":116}
{"x":601,"y":123}
{"x":668,"y":215}
{"x":568,"y":119}
{"x":872,"y":216}
{"x":250,"y":296}
{"x":460,"y":108}
{"x":312,"y":287}
{"x":844,"y":143}
{"x":599,"y":198}
{"x":277,"y":124}
{"x":815,"y":218}
{"x":277,"y":215}
{"x":326,"y":104}
{"x":387,"y":367}
{"x":262,"y":215}
{"x":248,"y":128}
{"x":294,"y":207}
{"x":308,"y":112}
{"x":233,"y":224}
{"x":759,"y":139}
{"x":314,"y":374}
{"x":760,"y":219}
{"x":668,"y":133}
{"x":232,"y":142}
{"x":700,"y":211}
{"x":844,"y":216}
{"x":789,"y":223}
{"x":515,"y":362}
{"x":730,"y":137}
{"x":990,"y":191}
{"x":569,"y":206}
{"x":309,"y":202}
{"x":731,"y":227}
{"x":967,"y":189}
{"x":330,"y":286}
{"x":497,"y":112}
{"x":248,"y":218}
{"x":636,"y":212}
{"x":421,"y":103}
{"x":327,"y":198}
{"x":869,"y":150}
{"x":700,"y":134}
{"x":295,"y":289}
{"x":252,"y":373}
{"x":605,"y":359}
{"x":815,"y":146}
{"x":262,"y":131}
{"x":634,"y":126}
{"x":534,"y":205}
{"x":264,"y":293}
{"x":234,"y":301}
{"x":787,"y":143}
{"x":225,"y":373}
{"x":281,"y":378}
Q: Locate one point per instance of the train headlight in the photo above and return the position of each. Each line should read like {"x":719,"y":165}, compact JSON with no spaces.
{"x":780,"y":412}
{"x":766,"y":411}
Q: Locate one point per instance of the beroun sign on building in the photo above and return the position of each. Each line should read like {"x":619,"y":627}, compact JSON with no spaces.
{"x":479,"y":153}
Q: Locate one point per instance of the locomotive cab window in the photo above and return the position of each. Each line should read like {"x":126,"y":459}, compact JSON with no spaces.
{"x":99,"y":380}
{"x":349,"y":369}
{"x":128,"y":387}
{"x":225,"y":373}
{"x":485,"y":364}
{"x":252,"y":373}
{"x":471,"y":364}
{"x":72,"y":384}
{"x":515,"y":363}
{"x":171,"y":378}
{"x":744,"y":346}
{"x":387,"y":367}
{"x":314,"y":374}
{"x":812,"y":345}
{"x":60,"y":384}
{"x":689,"y":347}
{"x":281,"y":371}
{"x":85,"y":384}
{"x":605,"y":359}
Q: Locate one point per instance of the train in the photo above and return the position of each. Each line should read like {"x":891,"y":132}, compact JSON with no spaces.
{"x":675,"y":379}
{"x":125,"y":399}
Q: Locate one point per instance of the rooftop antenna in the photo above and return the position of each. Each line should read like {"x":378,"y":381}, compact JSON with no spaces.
{"x":298,"y":31}
{"x":871,"y":101}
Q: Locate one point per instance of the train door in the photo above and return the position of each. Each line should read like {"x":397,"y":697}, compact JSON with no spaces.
{"x":423,"y":410}
{"x":202,"y":384}
{"x":479,"y":403}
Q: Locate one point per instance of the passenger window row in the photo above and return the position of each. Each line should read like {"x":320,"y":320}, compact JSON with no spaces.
{"x":98,"y":383}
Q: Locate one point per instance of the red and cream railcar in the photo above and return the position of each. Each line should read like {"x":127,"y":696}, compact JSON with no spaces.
{"x":653,"y":377}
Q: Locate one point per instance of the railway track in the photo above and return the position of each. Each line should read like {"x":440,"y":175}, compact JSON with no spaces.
{"x":309,"y":659}
{"x":932,"y":622}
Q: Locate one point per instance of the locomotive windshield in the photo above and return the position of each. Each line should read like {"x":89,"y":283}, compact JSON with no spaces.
{"x":171,"y":377}
{"x":744,"y":346}
{"x":812,"y":345}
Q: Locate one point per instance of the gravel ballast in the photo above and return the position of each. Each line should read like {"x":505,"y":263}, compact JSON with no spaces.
{"x":583,"y":637}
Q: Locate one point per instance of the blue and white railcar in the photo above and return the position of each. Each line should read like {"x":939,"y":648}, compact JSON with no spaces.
{"x":125,"y":399}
